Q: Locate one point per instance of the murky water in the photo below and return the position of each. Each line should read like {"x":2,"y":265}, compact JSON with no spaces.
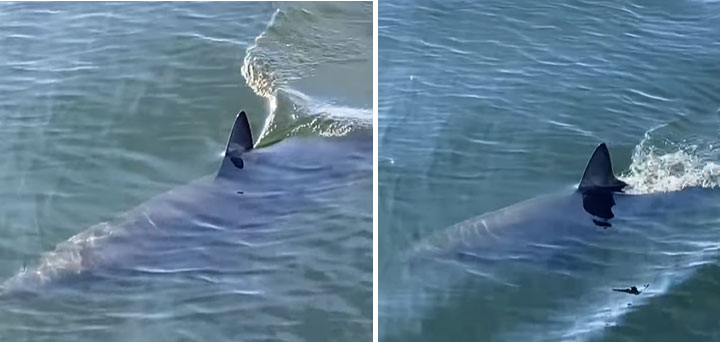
{"x":106,"y":105}
{"x":486,"y":104}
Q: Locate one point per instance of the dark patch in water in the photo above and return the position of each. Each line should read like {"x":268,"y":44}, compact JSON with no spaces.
{"x":632,"y":290}
{"x":599,"y":203}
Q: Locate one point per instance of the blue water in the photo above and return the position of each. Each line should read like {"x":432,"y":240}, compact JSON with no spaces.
{"x":485,"y":104}
{"x":107,"y":105}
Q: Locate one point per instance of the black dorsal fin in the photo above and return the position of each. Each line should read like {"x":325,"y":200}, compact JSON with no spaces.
{"x":240,"y":142}
{"x":240,"y":137}
{"x":599,"y":174}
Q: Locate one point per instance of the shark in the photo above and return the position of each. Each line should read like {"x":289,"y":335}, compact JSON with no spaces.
{"x":592,"y":251}
{"x":546,"y":227}
{"x":254,"y":189}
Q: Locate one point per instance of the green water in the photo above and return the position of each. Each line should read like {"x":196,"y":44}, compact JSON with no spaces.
{"x":105,"y":105}
{"x":486,"y":104}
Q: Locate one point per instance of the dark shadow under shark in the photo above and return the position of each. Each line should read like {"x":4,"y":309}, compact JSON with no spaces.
{"x":210,"y":220}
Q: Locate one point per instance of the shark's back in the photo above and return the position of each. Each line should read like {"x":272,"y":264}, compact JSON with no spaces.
{"x":541,"y":221}
{"x":253,"y":188}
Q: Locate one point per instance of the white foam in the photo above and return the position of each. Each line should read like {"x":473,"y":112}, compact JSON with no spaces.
{"x":653,"y":171}
{"x":269,"y":67}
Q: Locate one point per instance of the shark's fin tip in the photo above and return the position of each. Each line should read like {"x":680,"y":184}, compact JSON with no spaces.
{"x":240,"y":141}
{"x":599,"y":174}
{"x":241,"y":136}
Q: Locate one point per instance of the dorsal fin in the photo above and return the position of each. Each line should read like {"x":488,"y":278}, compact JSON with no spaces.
{"x":599,"y":174}
{"x":240,"y":142}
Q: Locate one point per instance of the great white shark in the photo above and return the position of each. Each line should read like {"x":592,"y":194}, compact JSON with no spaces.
{"x":542,"y":227}
{"x":253,"y":188}
{"x":568,"y":262}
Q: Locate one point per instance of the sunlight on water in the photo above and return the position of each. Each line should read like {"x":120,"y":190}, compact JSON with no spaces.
{"x":494,"y":103}
{"x":108,"y":107}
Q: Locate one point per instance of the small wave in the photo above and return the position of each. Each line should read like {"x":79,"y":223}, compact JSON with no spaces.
{"x":295,"y":45}
{"x":663,"y":162}
{"x":293,"y":113}
{"x":652,"y":172}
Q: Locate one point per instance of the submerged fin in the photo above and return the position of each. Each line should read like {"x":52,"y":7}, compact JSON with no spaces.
{"x":599,"y":174}
{"x":240,"y":142}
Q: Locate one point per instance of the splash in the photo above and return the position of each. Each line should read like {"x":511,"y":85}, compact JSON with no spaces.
{"x":652,"y":172}
{"x":287,"y":56}
{"x":664,"y":166}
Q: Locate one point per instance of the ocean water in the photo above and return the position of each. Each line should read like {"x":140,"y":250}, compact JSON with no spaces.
{"x":106,"y":105}
{"x":483,"y":104}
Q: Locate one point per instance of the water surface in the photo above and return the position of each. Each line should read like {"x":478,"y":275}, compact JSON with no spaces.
{"x":485,"y":104}
{"x":106,"y":105}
